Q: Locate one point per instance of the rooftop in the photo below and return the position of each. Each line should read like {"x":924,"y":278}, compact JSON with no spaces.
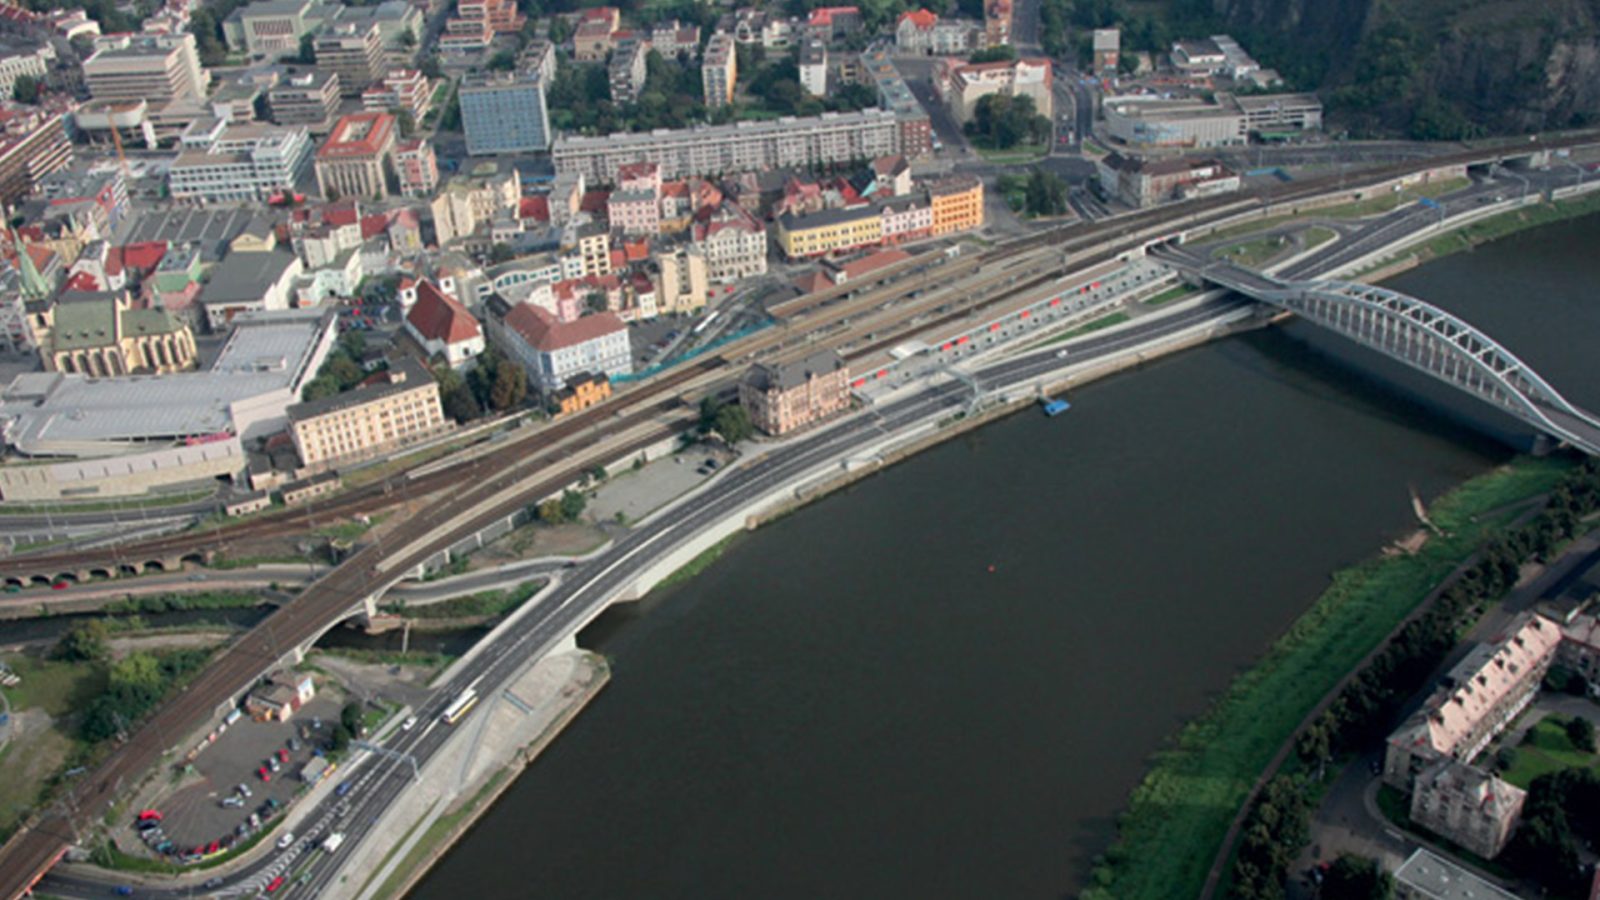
{"x":405,"y":374}
{"x":544,"y":333}
{"x":245,"y":276}
{"x":784,"y":376}
{"x":359,"y":134}
{"x":437,"y":316}
{"x":1438,"y":879}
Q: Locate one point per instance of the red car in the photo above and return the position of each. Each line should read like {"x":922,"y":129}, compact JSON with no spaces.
{"x":265,"y":775}
{"x":274,"y":884}
{"x":150,"y":814}
{"x":283,"y":755}
{"x":59,"y":586}
{"x":215,"y":846}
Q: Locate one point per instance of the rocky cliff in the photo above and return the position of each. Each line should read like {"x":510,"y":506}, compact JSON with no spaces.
{"x":1433,"y":68}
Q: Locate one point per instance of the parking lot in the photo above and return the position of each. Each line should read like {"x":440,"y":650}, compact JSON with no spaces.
{"x":209,"y":809}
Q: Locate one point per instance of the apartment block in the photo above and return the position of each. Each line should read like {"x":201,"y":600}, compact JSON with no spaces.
{"x":962,"y":85}
{"x":814,"y":67}
{"x":416,"y":167}
{"x":504,"y":112}
{"x":829,"y":231}
{"x":33,"y":144}
{"x":1146,"y":182}
{"x":155,"y":68}
{"x":788,"y":396}
{"x":369,"y":420}
{"x":719,"y":70}
{"x":401,"y":90}
{"x":471,"y":201}
{"x":307,"y":99}
{"x":673,"y":38}
{"x":554,"y":352}
{"x":627,"y":71}
{"x":18,"y":60}
{"x":353,"y":52}
{"x":957,"y":202}
{"x":247,"y":162}
{"x":683,"y":282}
{"x":739,"y":147}
{"x":894,"y":95}
{"x":1467,"y":806}
{"x":1478,"y":698}
{"x":353,"y":161}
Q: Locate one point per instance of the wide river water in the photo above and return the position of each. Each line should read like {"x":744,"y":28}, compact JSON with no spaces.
{"x":851,"y":703}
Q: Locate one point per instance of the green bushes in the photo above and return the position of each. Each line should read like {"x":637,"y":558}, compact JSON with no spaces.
{"x":134,"y":686}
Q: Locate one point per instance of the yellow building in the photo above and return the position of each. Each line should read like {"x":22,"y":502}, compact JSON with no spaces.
{"x":369,"y":420}
{"x":829,"y":231}
{"x":582,"y":391}
{"x":683,"y":281}
{"x":957,"y":204}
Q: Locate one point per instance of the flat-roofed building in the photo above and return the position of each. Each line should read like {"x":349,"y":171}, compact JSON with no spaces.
{"x":1427,"y":876}
{"x":1107,"y":49}
{"x":504,"y":112}
{"x":354,"y":160}
{"x":783,"y":397}
{"x":626,"y":71}
{"x":354,"y":52}
{"x":962,"y":85}
{"x":916,"y":132}
{"x":401,"y":90}
{"x":155,"y":68}
{"x":247,"y":282}
{"x":400,"y":408}
{"x":829,"y":231}
{"x":683,"y":281}
{"x":719,"y":70}
{"x":814,"y":67}
{"x":1229,"y":120}
{"x":738,"y":147}
{"x":309,"y":99}
{"x":470,"y":201}
{"x":1466,"y":806}
{"x":33,"y":144}
{"x":19,"y":59}
{"x":273,"y":27}
{"x":416,"y":168}
{"x":673,"y":38}
{"x":248,"y":162}
{"x":125,"y":435}
{"x":400,"y":27}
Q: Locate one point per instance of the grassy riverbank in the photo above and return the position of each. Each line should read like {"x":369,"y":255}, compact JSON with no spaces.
{"x":1180,"y":811}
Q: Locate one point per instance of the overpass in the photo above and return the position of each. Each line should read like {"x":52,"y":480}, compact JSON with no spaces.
{"x":1415,"y":333}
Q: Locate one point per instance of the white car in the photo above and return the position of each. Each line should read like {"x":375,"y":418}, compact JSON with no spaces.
{"x":409,"y":723}
{"x":1062,"y":354}
{"x":285,"y":841}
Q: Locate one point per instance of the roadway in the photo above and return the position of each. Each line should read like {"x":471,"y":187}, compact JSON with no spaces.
{"x":337,"y":593}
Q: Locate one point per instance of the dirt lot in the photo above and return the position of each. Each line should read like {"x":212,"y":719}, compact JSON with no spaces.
{"x":536,"y":540}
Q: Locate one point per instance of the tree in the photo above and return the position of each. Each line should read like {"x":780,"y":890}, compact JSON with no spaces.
{"x":572,"y":505}
{"x":430,"y":68}
{"x":510,"y":386}
{"x":350,"y":717}
{"x":84,"y":642}
{"x":408,"y":39}
{"x":1002,"y":53}
{"x":733,"y":423}
{"x":560,"y":30}
{"x":1580,"y":731}
{"x":503,"y":61}
{"x":406,"y":121}
{"x":1354,"y":877}
{"x":25,"y":89}
{"x":341,"y":737}
{"x":308,"y":50}
{"x":550,"y":512}
{"x":458,"y":403}
{"x":501,"y":252}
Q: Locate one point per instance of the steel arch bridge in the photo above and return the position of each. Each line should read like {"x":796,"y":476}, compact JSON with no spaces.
{"x":1424,"y":337}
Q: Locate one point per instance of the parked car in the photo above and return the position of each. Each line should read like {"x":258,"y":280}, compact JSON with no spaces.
{"x":283,"y":755}
{"x":263,"y":774}
{"x":243,"y":789}
{"x":286,"y":841}
{"x":274,"y":884}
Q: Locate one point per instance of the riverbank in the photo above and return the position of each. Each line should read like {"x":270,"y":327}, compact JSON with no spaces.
{"x":1181,"y":809}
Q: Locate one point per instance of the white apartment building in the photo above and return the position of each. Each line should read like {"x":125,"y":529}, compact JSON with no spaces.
{"x":17,"y":61}
{"x":553,"y":351}
{"x":247,"y":162}
{"x":154,"y":68}
{"x":739,"y":147}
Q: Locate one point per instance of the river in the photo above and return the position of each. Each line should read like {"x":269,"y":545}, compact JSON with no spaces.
{"x":852,"y":703}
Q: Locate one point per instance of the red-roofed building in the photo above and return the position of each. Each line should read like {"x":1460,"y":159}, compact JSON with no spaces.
{"x":829,"y":23}
{"x":594,"y":202}
{"x":443,"y":327}
{"x":732,"y":241}
{"x":553,"y":351}
{"x":534,"y":210}
{"x":353,"y":161}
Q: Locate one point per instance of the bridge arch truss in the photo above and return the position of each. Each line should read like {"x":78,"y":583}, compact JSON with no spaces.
{"x":1441,"y":345}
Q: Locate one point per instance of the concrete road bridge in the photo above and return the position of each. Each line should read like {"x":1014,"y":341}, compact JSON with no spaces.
{"x":1415,"y":333}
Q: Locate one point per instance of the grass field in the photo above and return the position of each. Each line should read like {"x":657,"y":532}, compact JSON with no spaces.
{"x":1251,"y":254}
{"x":1545,"y":749}
{"x":1011,"y":156}
{"x":1179,"y":813}
{"x":1317,"y":235}
{"x":1369,"y":207}
{"x":1177,"y":292}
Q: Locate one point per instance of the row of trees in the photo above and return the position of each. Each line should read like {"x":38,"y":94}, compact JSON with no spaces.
{"x":1365,"y":709}
{"x":342,"y":369}
{"x":1276,"y":829}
